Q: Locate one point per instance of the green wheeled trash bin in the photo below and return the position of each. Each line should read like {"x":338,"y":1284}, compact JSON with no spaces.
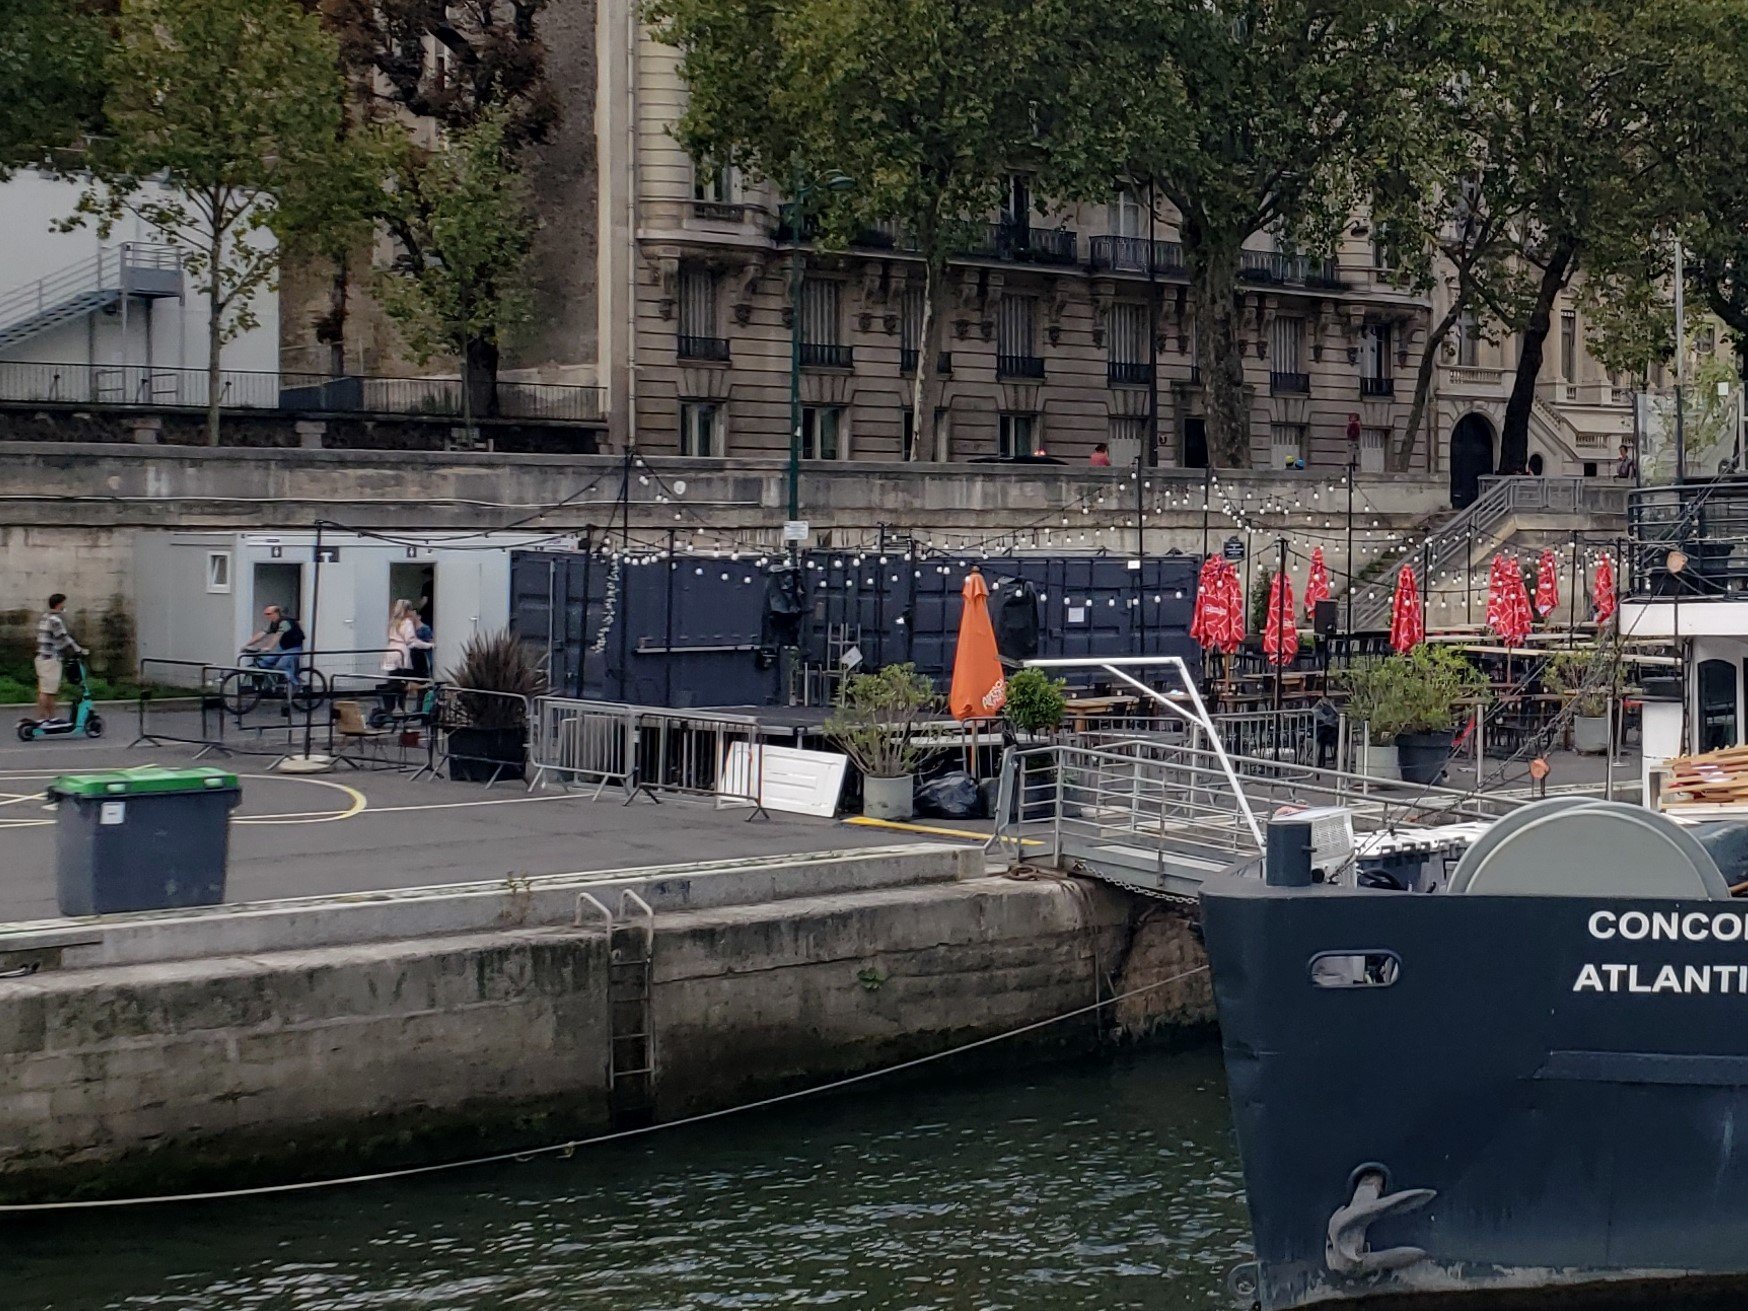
{"x":142,"y":839}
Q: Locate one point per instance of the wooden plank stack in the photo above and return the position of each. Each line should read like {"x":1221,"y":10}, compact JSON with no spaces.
{"x":1712,"y":778}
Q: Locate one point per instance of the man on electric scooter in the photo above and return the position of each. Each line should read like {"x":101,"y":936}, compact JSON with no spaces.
{"x":53,"y":641}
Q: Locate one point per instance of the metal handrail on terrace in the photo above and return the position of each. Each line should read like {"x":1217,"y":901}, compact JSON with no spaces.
{"x":1288,"y":270}
{"x":1701,"y":527}
{"x":159,"y":387}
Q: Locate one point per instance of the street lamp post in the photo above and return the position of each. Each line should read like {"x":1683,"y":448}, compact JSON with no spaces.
{"x":800,"y":192}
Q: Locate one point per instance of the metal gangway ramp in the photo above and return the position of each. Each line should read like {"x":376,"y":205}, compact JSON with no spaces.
{"x":1161,"y":809}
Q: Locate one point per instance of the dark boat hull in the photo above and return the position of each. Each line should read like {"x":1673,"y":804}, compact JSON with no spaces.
{"x":1571,"y":1134}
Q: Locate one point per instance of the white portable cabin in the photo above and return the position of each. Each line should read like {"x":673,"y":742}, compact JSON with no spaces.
{"x":199,"y":596}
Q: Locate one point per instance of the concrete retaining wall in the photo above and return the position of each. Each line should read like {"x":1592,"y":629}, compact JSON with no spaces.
{"x":303,"y":1062}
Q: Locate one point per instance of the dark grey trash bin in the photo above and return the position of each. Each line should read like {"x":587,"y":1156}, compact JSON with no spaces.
{"x":142,"y":839}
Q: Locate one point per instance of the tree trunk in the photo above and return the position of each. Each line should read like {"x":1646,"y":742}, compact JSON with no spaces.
{"x":1213,"y":261}
{"x":925,"y":349}
{"x":479,"y":378}
{"x":1401,"y":453}
{"x":215,"y":339}
{"x":1514,"y":433}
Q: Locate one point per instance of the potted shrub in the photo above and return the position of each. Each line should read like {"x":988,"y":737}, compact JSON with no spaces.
{"x":1434,"y":679}
{"x":874,"y":723}
{"x":1368,"y":684}
{"x":489,"y":738}
{"x":1591,"y":679}
{"x":1035,"y":701}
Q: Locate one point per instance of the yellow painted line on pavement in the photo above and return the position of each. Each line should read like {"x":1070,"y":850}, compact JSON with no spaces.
{"x":967,"y":835}
{"x":356,"y":802}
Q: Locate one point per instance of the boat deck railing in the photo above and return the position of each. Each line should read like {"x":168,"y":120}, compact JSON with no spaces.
{"x":1164,"y":815}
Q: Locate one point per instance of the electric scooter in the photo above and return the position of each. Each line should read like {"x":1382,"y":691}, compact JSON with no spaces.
{"x":84,"y":721}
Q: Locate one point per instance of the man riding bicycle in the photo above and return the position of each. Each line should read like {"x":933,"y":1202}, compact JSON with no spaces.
{"x":278,"y":646}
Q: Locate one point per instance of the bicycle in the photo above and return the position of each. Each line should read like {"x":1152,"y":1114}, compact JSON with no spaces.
{"x":242,"y":688}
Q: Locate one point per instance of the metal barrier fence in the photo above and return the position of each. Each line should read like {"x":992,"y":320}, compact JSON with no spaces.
{"x":240,"y":710}
{"x":647,"y":750}
{"x":580,"y":742}
{"x":478,"y":736}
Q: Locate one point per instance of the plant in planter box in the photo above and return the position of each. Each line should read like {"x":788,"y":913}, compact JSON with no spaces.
{"x":1035,"y":701}
{"x":1369,"y":685}
{"x":873,"y":723}
{"x":496,"y":680}
{"x":1434,"y":681}
{"x":1595,"y":680}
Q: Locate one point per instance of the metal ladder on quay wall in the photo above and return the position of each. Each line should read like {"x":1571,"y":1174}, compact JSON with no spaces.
{"x":631,"y":1054}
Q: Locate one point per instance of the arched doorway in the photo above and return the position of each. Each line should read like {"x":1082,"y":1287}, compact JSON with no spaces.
{"x":1471,"y":458}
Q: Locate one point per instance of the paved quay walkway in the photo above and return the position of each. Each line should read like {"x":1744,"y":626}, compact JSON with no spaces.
{"x":365,"y":830}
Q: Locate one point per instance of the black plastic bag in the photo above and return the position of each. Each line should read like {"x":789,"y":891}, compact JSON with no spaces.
{"x":951,"y":796}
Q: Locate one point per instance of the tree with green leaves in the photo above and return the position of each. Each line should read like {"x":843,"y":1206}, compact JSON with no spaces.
{"x":462,"y":218}
{"x":224,"y":135}
{"x":920,"y":102}
{"x":51,"y":76}
{"x":1247,"y":118}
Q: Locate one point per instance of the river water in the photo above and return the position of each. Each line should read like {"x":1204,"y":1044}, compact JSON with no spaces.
{"x":1105,"y":1185}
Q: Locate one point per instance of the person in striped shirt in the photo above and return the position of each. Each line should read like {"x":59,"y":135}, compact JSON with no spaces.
{"x":53,"y":641}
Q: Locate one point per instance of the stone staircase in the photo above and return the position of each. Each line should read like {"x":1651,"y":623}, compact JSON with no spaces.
{"x":1505,"y":508}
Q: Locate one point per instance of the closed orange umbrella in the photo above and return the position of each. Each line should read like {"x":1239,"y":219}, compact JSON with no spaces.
{"x":980,"y":689}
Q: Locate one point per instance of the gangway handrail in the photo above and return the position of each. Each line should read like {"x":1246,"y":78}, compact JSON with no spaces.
{"x":1115,"y":665}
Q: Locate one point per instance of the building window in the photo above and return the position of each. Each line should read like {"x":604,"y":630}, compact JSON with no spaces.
{"x":1125,"y":435}
{"x":1569,"y":345}
{"x":822,"y":433}
{"x":1705,"y":339}
{"x":821,"y":344}
{"x":218,"y":571}
{"x":1015,"y":344}
{"x":1129,"y":364}
{"x":1127,"y":216}
{"x":1373,"y":442}
{"x":715,"y":184}
{"x":698,"y":316}
{"x":1287,"y":349}
{"x":1468,"y":338}
{"x":1287,"y":446}
{"x":701,"y":428}
{"x":1375,"y":377}
{"x":910,"y":330}
{"x":1017,"y":434}
{"x":1017,"y":208}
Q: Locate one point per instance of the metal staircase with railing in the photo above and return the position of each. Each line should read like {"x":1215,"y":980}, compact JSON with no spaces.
{"x":101,"y":282}
{"x":1484,"y":525}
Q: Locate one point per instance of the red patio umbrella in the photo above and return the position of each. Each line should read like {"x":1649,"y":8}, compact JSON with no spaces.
{"x":1233,"y":636}
{"x":1602,"y":591}
{"x":1547,"y":585}
{"x":1316,"y":583}
{"x":1280,"y":639}
{"x":1407,"y":624}
{"x":1208,"y":619}
{"x":1495,"y":591}
{"x":1508,"y":602}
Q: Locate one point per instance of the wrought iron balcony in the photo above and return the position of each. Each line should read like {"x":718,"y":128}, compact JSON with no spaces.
{"x":1122,"y":373}
{"x":1022,"y":243}
{"x":1377,"y":387}
{"x":1290,"y":384}
{"x":1136,"y":255}
{"x":1019,"y":366}
{"x":907,"y":362}
{"x":817,"y":355}
{"x":1280,"y":269}
{"x":704,"y":348}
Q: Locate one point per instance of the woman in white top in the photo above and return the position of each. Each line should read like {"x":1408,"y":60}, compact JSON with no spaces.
{"x":402,"y":640}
